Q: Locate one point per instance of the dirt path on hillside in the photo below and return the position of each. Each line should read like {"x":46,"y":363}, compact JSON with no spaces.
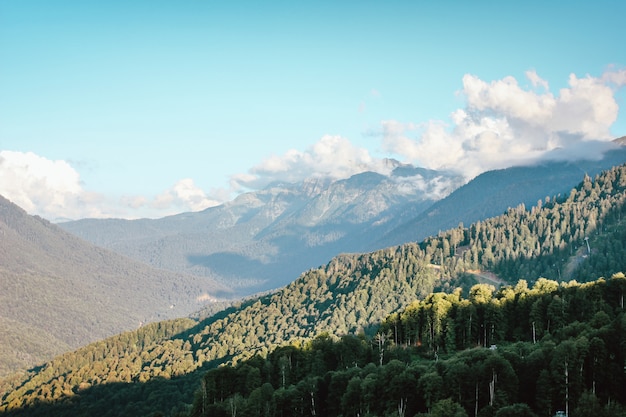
{"x":487,"y":277}
{"x":491,"y":278}
{"x":574,"y":262}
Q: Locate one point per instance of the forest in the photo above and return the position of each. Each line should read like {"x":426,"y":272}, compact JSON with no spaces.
{"x":418,"y":303}
{"x":517,"y":351}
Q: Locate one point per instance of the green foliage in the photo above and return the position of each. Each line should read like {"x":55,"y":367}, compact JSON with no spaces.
{"x":550,"y":240}
{"x":448,"y":408}
{"x":317,"y":378}
{"x":352,"y":294}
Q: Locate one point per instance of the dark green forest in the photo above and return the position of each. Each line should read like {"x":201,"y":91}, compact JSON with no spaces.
{"x":552,"y":347}
{"x":384,"y":301}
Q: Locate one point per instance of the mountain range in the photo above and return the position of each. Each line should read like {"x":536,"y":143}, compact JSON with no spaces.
{"x":67,"y":292}
{"x":492,"y":192}
{"x":262,"y":240}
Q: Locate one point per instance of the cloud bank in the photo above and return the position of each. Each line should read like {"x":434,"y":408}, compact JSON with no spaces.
{"x":52,"y":189}
{"x":504,"y":124}
{"x":184,"y":196}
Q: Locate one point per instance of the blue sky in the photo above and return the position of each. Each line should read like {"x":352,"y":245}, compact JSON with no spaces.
{"x":149,"y":108}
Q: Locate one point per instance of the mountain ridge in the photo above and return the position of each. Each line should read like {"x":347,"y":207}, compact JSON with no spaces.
{"x":261,"y":240}
{"x":531,"y":183}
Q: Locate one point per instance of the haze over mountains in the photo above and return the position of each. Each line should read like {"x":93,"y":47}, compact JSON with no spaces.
{"x":262,"y":240}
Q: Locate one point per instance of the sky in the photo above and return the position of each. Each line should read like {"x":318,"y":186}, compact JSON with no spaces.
{"x":134,"y":109}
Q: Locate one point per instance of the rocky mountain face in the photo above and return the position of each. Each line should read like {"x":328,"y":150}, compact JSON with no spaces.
{"x":61,"y":292}
{"x":262,"y":240}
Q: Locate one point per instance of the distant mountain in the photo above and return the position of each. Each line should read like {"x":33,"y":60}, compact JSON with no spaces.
{"x":493,"y":192}
{"x":261,"y":240}
{"x":61,"y":292}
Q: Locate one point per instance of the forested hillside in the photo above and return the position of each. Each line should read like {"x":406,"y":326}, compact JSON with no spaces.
{"x":575,"y":237}
{"x":60,"y":292}
{"x":492,"y":192}
{"x":512,"y":352}
{"x":350,"y":295}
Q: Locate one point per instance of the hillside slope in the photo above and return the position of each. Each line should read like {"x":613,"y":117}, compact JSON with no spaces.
{"x":349,"y":295}
{"x":493,"y":192}
{"x":60,"y":292}
{"x":432,"y":359}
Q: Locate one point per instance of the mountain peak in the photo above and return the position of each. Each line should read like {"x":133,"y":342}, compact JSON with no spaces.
{"x":620,"y":141}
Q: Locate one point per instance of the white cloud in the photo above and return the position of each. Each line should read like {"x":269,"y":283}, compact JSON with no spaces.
{"x":395,"y":141}
{"x":332,"y":157}
{"x":617,"y":78}
{"x":183,"y":196}
{"x":45,"y":187}
{"x":588,"y":108}
{"x":503,"y":124}
{"x":435,"y":188}
{"x":536,"y":80}
{"x":506,"y":97}
{"x":52,"y":189}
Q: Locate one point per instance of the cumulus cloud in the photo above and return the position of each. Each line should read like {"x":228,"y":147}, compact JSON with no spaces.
{"x":504,"y":124}
{"x":53,"y":189}
{"x":332,"y":157}
{"x":183,"y":196}
{"x":45,"y":187}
